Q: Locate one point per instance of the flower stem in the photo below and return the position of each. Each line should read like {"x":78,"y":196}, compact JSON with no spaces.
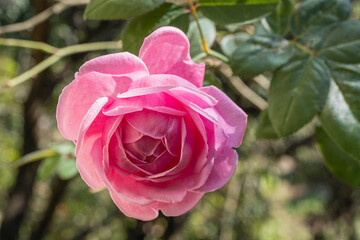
{"x":34,"y":156}
{"x":206,"y":48}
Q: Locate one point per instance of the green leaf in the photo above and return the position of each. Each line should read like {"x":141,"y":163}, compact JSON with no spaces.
{"x":209,"y":30}
{"x":230,"y":42}
{"x":342,"y":44}
{"x":67,"y":168}
{"x":119,"y":9}
{"x":344,"y":166}
{"x":48,"y":167}
{"x":140,"y":27}
{"x":340,"y":124}
{"x":347,"y":77}
{"x":297,"y":93}
{"x":265,"y":129}
{"x":283,"y":16}
{"x":260,"y":54}
{"x":65,"y":148}
{"x":234,"y":2}
{"x":313,"y":15}
{"x":210,"y":79}
{"x":233,"y":11}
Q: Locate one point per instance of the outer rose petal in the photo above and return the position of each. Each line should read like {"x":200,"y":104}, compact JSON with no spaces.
{"x":231,"y":118}
{"x":116,"y":64}
{"x":76,"y":99}
{"x":145,"y":213}
{"x":178,"y":208}
{"x":222,"y":171}
{"x":83,"y":157}
{"x":166,"y":50}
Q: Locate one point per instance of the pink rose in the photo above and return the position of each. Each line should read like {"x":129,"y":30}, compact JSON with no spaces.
{"x":146,"y":129}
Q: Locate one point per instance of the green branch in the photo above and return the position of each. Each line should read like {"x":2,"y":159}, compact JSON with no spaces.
{"x":57,"y":55}
{"x":11,"y":42}
{"x":34,"y":156}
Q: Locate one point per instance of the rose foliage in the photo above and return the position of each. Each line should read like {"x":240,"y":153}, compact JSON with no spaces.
{"x":146,"y":129}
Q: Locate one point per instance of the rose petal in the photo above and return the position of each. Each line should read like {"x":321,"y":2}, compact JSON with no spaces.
{"x":129,"y":133}
{"x":231,"y":118}
{"x":116,"y":64}
{"x":178,"y":208}
{"x":159,"y":81}
{"x":153,"y":124}
{"x":84,"y":161}
{"x":166,"y":50}
{"x":145,"y":213}
{"x":145,"y":145}
{"x":222,"y":171}
{"x":76,"y":99}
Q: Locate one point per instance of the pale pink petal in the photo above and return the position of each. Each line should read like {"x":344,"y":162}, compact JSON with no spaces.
{"x":161,"y":82}
{"x":116,"y":64}
{"x":84,"y":161}
{"x":145,"y":213}
{"x":231,"y":118}
{"x":76,"y":99}
{"x":222,"y":171}
{"x":166,"y":50}
{"x":168,"y":110}
{"x":178,"y":208}
{"x":149,"y":101}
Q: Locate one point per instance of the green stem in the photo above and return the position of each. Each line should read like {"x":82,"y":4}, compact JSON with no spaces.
{"x":59,"y":54}
{"x":34,"y":156}
{"x":303,"y":48}
{"x":206,"y":48}
{"x":199,"y":57}
{"x":10,"y":42}
{"x":219,"y":56}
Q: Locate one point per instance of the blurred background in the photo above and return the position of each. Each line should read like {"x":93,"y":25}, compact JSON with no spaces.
{"x":281,"y":189}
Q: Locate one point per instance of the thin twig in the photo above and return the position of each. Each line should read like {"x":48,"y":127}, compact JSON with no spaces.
{"x":11,"y":42}
{"x":41,"y":17}
{"x":59,"y":54}
{"x":241,"y":88}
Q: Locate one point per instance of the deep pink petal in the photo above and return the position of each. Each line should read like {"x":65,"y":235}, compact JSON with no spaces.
{"x":146,"y":145}
{"x":166,"y":50}
{"x":178,"y":208}
{"x":116,"y":64}
{"x":76,"y":99}
{"x":129,"y":133}
{"x":138,"y":192}
{"x":145,"y":213}
{"x":173,"y":138}
{"x":222,"y":171}
{"x":231,"y":118}
{"x":153,"y":124}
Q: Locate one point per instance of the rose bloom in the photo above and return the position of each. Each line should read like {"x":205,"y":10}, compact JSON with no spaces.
{"x":146,"y":129}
